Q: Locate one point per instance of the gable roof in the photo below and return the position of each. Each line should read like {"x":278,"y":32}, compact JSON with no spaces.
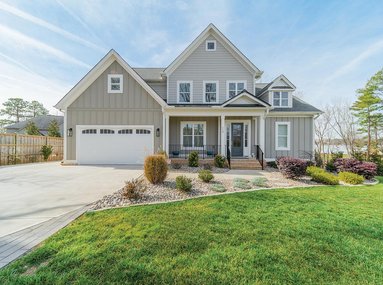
{"x":42,"y":123}
{"x":96,"y":71}
{"x":225,"y":41}
{"x":151,"y":73}
{"x":273,"y":84}
{"x":250,"y":96}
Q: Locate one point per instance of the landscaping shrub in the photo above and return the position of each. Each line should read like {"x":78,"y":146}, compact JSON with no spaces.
{"x":291,"y":167}
{"x":46,"y":151}
{"x":183,"y":183}
{"x":207,"y":166}
{"x":318,"y":159}
{"x":133,"y":189}
{"x":205,"y":175}
{"x":241,"y":183}
{"x":272,"y":164}
{"x":313,"y":169}
{"x":155,"y":168}
{"x":366,"y":169}
{"x":330,"y":164}
{"x":324,"y":178}
{"x":259,"y":181}
{"x":218,"y":187}
{"x":193,"y":159}
{"x":240,"y":180}
{"x":350,"y":178}
{"x":162,"y":152}
{"x":377,"y":159}
{"x":176,"y":165}
{"x":219,"y":161}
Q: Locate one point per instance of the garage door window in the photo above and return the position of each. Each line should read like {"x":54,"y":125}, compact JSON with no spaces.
{"x":89,"y":131}
{"x":125,"y":132}
{"x":106,"y":131}
{"x":142,"y":131}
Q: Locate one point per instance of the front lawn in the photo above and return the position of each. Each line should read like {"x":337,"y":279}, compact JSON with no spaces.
{"x":319,"y":235}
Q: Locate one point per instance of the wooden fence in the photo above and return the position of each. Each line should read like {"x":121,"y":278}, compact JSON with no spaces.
{"x":16,"y":148}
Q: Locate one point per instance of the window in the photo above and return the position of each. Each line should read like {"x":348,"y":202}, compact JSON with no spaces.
{"x":142,"y":132}
{"x":210,"y":91}
{"x":106,"y":131}
{"x":282,"y":135}
{"x":234,"y":87}
{"x":89,"y":131}
{"x":184,"y":91}
{"x":280,"y":99}
{"x":193,"y":134}
{"x":246,"y":135}
{"x":211,"y":45}
{"x":125,"y":132}
{"x":115,"y":83}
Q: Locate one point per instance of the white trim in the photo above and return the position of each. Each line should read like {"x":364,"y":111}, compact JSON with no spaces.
{"x":216,"y":88}
{"x":65,"y":134}
{"x":211,"y":41}
{"x":236,"y":90}
{"x":121,"y":77}
{"x":246,"y":150}
{"x":178,"y":91}
{"x":182,"y":123}
{"x":277,"y":124}
{"x":284,"y":78}
{"x":289,"y":99}
{"x":247,"y":95}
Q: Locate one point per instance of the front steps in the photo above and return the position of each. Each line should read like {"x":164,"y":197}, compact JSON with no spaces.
{"x":245,"y":164}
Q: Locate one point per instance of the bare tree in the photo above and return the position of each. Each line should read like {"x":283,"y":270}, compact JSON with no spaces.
{"x":323,"y":130}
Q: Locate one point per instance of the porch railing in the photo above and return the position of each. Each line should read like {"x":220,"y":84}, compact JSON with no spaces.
{"x":258,"y":154}
{"x":204,"y":151}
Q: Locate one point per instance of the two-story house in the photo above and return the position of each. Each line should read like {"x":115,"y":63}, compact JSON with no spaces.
{"x":208,"y":99}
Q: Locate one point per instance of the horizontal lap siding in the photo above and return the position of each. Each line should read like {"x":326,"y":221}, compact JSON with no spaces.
{"x":301,"y":137}
{"x":159,"y":87}
{"x":219,"y":65}
{"x":96,"y":107}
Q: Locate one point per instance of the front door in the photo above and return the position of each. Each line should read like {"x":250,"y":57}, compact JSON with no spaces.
{"x":236,"y":139}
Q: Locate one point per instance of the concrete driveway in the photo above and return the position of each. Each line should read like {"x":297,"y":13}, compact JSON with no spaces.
{"x":34,"y":193}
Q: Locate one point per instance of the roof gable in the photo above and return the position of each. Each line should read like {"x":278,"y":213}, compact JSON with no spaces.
{"x":244,"y":99}
{"x":212,"y":30}
{"x":96,"y":71}
{"x":281,"y":82}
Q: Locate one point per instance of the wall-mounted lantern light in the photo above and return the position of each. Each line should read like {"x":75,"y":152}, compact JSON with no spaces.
{"x":158,"y":132}
{"x":70,"y":132}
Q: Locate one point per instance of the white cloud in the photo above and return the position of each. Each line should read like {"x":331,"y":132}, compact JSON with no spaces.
{"x":18,"y":38}
{"x":53,"y":28}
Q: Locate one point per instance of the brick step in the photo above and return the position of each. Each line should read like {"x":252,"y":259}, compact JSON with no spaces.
{"x":245,"y":164}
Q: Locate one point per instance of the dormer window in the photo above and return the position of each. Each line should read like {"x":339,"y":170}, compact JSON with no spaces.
{"x":115,"y":83}
{"x":280,"y":99}
{"x":211,"y":45}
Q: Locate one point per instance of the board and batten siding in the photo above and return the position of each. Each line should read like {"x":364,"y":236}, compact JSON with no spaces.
{"x":301,"y":137}
{"x":219,"y":65}
{"x":95,"y":106}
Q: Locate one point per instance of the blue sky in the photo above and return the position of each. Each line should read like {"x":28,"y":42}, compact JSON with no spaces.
{"x":328,"y":49}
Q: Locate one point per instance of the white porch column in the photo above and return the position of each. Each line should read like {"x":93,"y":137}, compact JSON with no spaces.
{"x":261,"y":132}
{"x":163,"y":132}
{"x":166,"y":133}
{"x":219,"y":131}
{"x":222,"y":123}
{"x":65,"y":134}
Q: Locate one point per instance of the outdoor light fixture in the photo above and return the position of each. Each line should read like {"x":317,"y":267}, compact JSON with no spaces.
{"x":70,"y":132}
{"x":157,"y":132}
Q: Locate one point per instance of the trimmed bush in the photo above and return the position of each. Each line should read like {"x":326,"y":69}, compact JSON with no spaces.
{"x":242,"y":185}
{"x":183,"y":183}
{"x":205,"y":175}
{"x":259,"y":181}
{"x":325,"y":178}
{"x":219,"y":161}
{"x":207,"y":166}
{"x":366,"y":169}
{"x":162,"y":152}
{"x":46,"y":151}
{"x":193,"y":159}
{"x":155,"y":168}
{"x":330,"y":164}
{"x":218,"y":187}
{"x":313,"y":169}
{"x":291,"y":167}
{"x":350,"y":178}
{"x":133,"y":189}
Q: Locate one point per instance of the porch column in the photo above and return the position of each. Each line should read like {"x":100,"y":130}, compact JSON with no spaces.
{"x":163,"y":147}
{"x":261,"y":132}
{"x":167,"y":133}
{"x":222,"y":123}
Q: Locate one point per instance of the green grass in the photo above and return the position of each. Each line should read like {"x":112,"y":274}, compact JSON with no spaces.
{"x":318,"y":235}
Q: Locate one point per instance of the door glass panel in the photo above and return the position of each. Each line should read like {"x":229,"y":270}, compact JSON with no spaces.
{"x":237,"y":135}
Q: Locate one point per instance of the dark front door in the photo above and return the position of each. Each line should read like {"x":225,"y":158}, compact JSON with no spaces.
{"x":236,"y":139}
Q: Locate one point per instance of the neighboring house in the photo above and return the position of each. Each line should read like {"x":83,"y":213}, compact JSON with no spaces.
{"x":42,"y":123}
{"x":208,"y":99}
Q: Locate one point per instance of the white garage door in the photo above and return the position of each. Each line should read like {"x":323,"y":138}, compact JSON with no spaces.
{"x":113,"y":144}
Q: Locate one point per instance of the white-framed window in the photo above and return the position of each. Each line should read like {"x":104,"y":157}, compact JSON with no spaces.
{"x":184,"y":91}
{"x":210,"y":91}
{"x":280,"y":99}
{"x":211,"y":45}
{"x":115,"y":83}
{"x":193,"y":134}
{"x":282,"y":135}
{"x":234,"y":87}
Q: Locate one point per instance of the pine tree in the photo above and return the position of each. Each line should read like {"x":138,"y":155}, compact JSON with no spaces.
{"x":32,"y":129}
{"x":54,"y":129}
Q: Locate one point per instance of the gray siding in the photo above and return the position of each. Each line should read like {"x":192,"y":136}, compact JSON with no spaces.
{"x":219,"y":65}
{"x":96,"y":107}
{"x":301,"y":137}
{"x":159,"y":87}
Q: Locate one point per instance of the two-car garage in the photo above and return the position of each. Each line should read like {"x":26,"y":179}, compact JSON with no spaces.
{"x":104,"y":144}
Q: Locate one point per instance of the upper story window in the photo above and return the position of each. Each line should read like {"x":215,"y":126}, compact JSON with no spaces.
{"x":211,"y":45}
{"x":280,"y":99}
{"x":210,"y":91}
{"x":234,"y":87}
{"x":282,"y":135}
{"x":184,"y":91}
{"x":115,"y":83}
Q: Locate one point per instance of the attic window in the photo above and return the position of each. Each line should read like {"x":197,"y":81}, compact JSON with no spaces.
{"x":211,"y":45}
{"x":280,"y":99}
{"x":115,"y":83}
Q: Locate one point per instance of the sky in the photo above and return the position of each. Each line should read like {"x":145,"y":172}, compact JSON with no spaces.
{"x":328,"y":49}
